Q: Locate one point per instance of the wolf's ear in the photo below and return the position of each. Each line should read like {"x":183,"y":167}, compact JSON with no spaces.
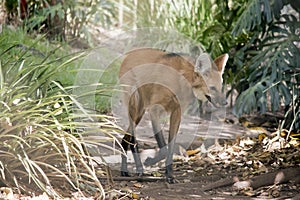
{"x":203,"y":64}
{"x":221,"y":62}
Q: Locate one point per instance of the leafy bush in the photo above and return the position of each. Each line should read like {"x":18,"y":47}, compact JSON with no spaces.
{"x":61,"y":19}
{"x":43,"y":141}
{"x":82,"y":15}
{"x":270,"y":59}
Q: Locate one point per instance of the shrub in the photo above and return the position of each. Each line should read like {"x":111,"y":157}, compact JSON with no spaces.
{"x":43,"y":139}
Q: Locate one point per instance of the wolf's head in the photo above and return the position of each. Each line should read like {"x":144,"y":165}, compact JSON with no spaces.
{"x":207,"y":85}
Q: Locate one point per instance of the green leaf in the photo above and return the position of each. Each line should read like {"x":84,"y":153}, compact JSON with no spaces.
{"x":252,"y":16}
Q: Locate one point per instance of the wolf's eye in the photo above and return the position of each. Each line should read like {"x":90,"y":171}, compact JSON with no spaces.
{"x":213,"y":88}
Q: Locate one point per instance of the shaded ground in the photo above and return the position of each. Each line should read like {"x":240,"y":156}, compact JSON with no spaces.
{"x":243,"y":154}
{"x":195,"y":176}
{"x":192,"y":190}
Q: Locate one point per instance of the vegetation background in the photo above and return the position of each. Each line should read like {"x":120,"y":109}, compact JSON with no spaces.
{"x":38,"y":115}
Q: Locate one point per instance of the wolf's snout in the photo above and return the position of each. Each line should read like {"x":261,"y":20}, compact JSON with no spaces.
{"x":217,"y":102}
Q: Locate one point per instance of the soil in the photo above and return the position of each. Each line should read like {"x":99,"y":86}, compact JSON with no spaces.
{"x":198,"y":174}
{"x":191,"y":184}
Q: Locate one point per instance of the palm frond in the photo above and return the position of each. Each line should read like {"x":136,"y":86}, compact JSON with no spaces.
{"x":255,"y":12}
{"x":277,"y":63}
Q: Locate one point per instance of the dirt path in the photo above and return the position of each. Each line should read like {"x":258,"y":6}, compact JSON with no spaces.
{"x":238,"y":156}
{"x":190,"y":185}
{"x":199,"y":174}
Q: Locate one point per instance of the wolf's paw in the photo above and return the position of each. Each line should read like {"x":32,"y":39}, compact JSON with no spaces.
{"x":171,"y":180}
{"x":125,"y":174}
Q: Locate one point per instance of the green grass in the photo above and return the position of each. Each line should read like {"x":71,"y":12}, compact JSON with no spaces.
{"x":44,"y":132}
{"x":36,"y":49}
{"x":109,"y":80}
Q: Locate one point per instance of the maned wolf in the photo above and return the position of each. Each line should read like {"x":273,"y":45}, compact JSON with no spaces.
{"x":155,"y":80}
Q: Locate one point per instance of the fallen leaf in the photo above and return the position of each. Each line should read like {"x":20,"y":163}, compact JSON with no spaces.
{"x":134,"y":195}
{"x":275,"y":193}
{"x":156,"y":174}
{"x":258,"y":130}
{"x":6,"y":193}
{"x":138,"y":185}
{"x":192,"y":152}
